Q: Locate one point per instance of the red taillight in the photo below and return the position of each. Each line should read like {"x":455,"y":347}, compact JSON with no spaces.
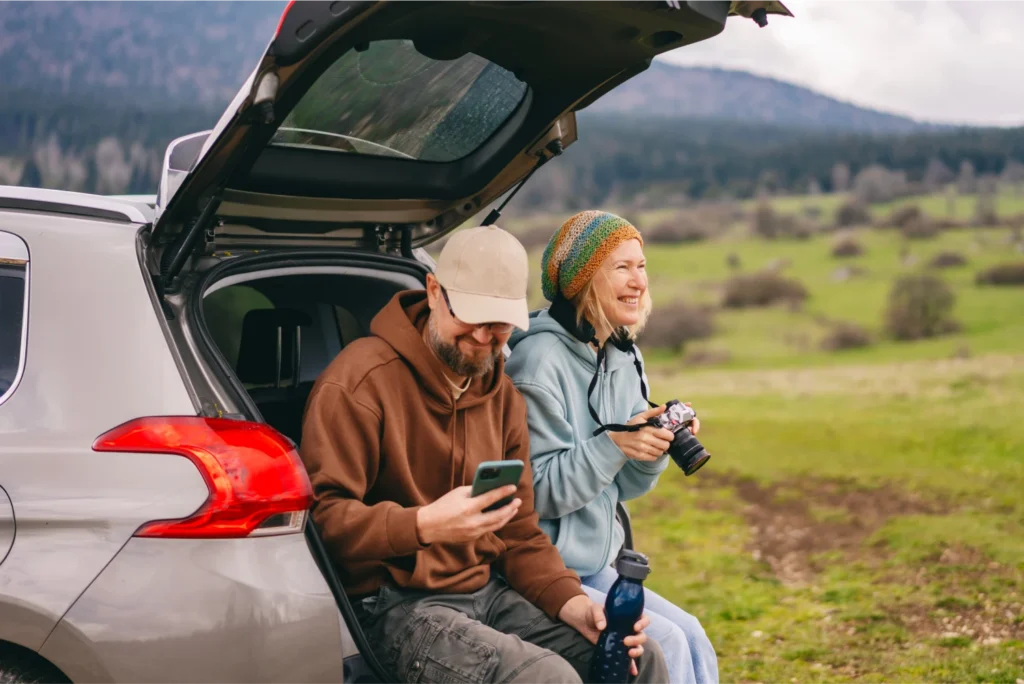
{"x":280,"y":22}
{"x":253,"y":472}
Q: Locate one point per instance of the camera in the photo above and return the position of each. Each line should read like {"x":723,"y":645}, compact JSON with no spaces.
{"x":688,"y":453}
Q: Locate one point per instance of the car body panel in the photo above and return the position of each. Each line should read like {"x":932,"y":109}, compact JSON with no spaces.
{"x":82,"y":376}
{"x":212,"y":610}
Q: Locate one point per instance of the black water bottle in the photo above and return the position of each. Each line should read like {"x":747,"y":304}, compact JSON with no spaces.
{"x":622,"y":608}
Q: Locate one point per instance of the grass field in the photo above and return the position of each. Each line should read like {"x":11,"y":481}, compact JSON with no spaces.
{"x":854,"y":523}
{"x":862,"y":515}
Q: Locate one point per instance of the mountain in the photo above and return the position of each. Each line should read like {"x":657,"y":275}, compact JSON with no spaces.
{"x":670,"y":91}
{"x":139,"y":54}
{"x":159,"y":54}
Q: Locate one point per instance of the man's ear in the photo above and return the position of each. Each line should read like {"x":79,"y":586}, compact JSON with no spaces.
{"x":433,"y":290}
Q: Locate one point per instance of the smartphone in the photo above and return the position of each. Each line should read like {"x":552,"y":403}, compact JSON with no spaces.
{"x":495,"y":474}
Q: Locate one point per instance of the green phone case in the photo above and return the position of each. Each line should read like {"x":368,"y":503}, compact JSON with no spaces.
{"x":494,"y":474}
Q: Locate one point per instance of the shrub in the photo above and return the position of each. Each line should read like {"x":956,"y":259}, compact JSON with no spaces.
{"x":919,"y":306}
{"x":905,"y":215}
{"x":733,"y":261}
{"x":1002,"y":274}
{"x":947,"y":260}
{"x":762,"y":289}
{"x":536,"y":236}
{"x":766,"y":222}
{"x":920,"y":229}
{"x":852,"y":214}
{"x":673,"y":325}
{"x":771,"y":225}
{"x":680,"y":229}
{"x":845,"y":335}
{"x":847,"y":247}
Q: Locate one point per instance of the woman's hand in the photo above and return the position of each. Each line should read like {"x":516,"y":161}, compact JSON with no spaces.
{"x":647,"y":444}
{"x":695,"y":425}
{"x":587,"y":617}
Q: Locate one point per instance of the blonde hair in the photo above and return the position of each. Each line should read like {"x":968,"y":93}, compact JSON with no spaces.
{"x":588,"y":305}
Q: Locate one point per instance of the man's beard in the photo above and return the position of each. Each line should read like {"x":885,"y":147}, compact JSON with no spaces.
{"x":459,"y":363}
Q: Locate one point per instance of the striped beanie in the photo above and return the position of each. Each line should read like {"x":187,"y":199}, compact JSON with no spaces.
{"x":578,"y":249}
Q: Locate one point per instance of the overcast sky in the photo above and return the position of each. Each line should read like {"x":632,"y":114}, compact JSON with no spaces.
{"x":955,"y":62}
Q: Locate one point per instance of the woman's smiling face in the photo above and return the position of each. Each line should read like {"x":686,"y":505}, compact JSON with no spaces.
{"x":622,"y":284}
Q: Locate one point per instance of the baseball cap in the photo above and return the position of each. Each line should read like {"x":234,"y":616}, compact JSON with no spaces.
{"x":485,"y":271}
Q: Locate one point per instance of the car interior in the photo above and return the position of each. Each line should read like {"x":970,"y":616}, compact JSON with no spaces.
{"x":278,"y":331}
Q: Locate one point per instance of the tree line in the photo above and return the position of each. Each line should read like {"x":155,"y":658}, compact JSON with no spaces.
{"x":98,"y":147}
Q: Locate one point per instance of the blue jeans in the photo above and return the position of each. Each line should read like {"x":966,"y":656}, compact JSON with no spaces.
{"x":691,"y":658}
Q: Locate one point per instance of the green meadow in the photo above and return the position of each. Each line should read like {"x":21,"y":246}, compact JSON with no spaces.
{"x":862,"y":516}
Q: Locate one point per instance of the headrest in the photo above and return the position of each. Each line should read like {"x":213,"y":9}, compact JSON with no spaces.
{"x":269,"y":349}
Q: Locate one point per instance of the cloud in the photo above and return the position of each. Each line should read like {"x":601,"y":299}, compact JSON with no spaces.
{"x":951,"y":62}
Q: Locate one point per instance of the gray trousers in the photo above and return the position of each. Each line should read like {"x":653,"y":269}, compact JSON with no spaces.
{"x":492,"y":635}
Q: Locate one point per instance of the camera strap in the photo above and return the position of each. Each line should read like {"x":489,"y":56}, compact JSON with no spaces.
{"x":601,"y":356}
{"x":564,"y":312}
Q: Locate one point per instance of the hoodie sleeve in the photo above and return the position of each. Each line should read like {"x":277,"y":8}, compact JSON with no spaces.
{"x":639,"y":477}
{"x":567,"y":474}
{"x":341,"y":451}
{"x":531,"y":563}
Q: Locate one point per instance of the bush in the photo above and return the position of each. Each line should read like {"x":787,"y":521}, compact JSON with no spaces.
{"x":847,"y":247}
{"x":762,"y":289}
{"x":947,"y":260}
{"x":673,"y":325}
{"x":920,"y":229}
{"x":845,"y":335}
{"x":680,"y":229}
{"x":919,"y":306}
{"x":905,"y":215}
{"x":852,"y":214}
{"x":1002,"y":274}
{"x":536,"y":236}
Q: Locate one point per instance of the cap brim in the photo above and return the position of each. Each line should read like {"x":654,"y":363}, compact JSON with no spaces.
{"x":475,"y":308}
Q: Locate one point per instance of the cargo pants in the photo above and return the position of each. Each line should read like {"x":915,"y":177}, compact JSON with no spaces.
{"x":491,"y":635}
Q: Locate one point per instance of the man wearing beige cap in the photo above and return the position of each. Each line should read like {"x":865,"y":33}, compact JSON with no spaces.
{"x":392,"y":435}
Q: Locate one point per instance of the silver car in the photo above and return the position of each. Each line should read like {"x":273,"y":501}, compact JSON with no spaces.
{"x":156,"y":353}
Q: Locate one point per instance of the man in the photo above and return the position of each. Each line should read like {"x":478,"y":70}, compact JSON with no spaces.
{"x":393,"y":432}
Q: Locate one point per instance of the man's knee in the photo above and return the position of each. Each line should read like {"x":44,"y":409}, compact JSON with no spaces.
{"x":652,"y":666}
{"x":547,"y":669}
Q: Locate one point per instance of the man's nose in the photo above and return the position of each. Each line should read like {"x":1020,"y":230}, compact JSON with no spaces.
{"x":482,"y":334}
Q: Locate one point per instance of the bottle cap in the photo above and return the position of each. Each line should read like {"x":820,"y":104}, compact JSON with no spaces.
{"x":632,"y":564}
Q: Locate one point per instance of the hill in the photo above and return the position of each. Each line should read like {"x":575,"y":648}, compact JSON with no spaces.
{"x":667,"y":90}
{"x":155,"y":53}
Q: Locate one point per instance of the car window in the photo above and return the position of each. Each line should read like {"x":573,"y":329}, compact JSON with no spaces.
{"x":13,"y":299}
{"x":390,"y":100}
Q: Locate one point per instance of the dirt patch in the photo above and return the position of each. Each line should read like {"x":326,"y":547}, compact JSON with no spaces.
{"x":794,"y":520}
{"x":964,"y":613}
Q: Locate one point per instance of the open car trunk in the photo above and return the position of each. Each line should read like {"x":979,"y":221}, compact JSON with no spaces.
{"x":383,"y":125}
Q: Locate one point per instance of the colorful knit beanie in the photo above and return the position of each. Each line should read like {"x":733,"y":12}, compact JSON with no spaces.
{"x":579,"y":248}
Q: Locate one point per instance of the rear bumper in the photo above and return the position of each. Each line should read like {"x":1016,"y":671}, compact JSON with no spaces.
{"x":179,"y":610}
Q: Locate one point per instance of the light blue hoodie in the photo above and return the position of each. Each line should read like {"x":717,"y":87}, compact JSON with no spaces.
{"x":578,"y":478}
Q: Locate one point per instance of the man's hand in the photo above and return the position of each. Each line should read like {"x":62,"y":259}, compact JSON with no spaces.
{"x":458,"y":517}
{"x":587,"y":618}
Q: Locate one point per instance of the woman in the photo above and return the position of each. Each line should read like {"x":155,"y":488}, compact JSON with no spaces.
{"x":579,"y":372}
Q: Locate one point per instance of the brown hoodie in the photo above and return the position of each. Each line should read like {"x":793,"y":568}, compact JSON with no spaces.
{"x":381,"y":437}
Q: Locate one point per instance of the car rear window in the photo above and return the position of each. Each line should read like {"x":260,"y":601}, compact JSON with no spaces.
{"x":13,"y":286}
{"x":390,"y":100}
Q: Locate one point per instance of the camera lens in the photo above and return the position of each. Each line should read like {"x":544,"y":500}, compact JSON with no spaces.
{"x":488,"y":473}
{"x":687,"y":452}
